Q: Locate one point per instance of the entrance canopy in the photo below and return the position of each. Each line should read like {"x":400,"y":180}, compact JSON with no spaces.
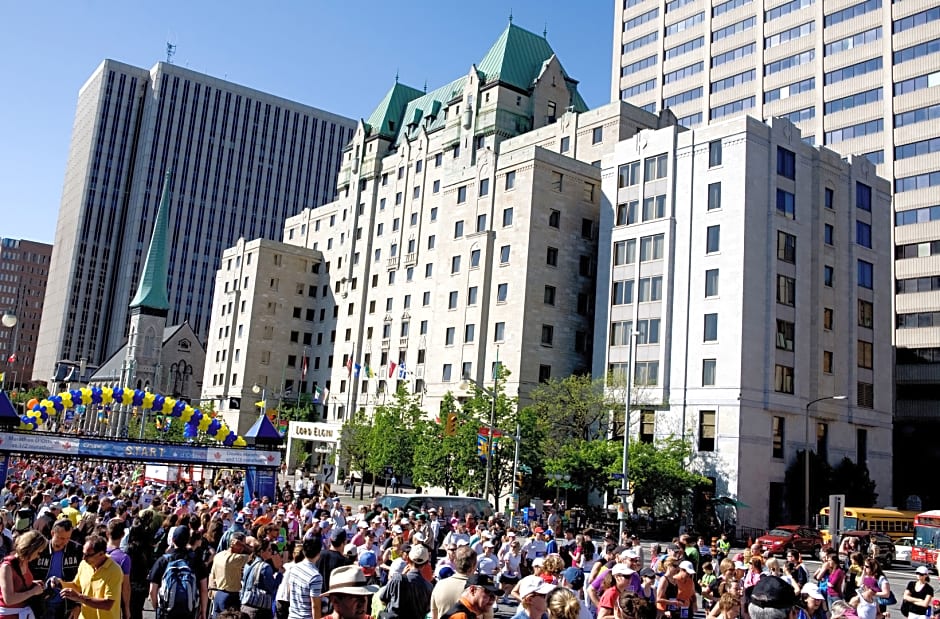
{"x":71,"y":445}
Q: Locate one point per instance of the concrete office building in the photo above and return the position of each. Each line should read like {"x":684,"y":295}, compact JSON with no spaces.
{"x":24,"y":269}
{"x":756,"y":270}
{"x":243,"y":161}
{"x":861,"y":77}
{"x":465,"y":234}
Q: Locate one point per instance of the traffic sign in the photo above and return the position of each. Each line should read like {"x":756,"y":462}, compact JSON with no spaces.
{"x":623,"y":492}
{"x":616,"y":475}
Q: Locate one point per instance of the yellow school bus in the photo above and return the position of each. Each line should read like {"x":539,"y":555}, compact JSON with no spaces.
{"x":893,"y":523}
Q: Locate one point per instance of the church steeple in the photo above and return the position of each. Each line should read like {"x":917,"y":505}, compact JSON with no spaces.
{"x":152,"y":292}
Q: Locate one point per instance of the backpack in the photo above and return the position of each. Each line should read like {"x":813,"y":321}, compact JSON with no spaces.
{"x":179,"y":591}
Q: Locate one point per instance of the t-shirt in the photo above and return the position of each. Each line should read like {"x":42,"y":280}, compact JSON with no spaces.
{"x":120,"y":557}
{"x":104,"y":583}
{"x":329,"y":561}
{"x":609,"y":598}
{"x":305,"y":583}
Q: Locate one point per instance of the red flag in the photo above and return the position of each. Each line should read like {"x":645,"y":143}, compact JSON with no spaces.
{"x":11,"y":358}
{"x":349,"y":366}
{"x":391,"y":368}
{"x":303,"y":371}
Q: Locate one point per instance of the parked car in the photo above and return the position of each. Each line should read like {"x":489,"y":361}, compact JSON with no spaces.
{"x":886,"y":549}
{"x":902,"y":549}
{"x":445,"y":505}
{"x":791,"y":536}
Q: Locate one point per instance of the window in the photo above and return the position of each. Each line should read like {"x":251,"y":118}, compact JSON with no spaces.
{"x":502,"y":293}
{"x":778,"y":437}
{"x":706,"y":430}
{"x":783,"y":379}
{"x":654,"y":207}
{"x":504,"y":254}
{"x":499,"y":332}
{"x":687,"y":71}
{"x":647,"y":426}
{"x":484,"y":187}
{"x":714,"y":196}
{"x":682,"y":97}
{"x":786,"y":204}
{"x":624,"y":252}
{"x":472,"y":295}
{"x":863,"y":234}
{"x":551,"y":256}
{"x":548,"y":335}
{"x":786,"y":247}
{"x":866,"y":274}
{"x":452,"y":300}
{"x":545,"y":373}
{"x":458,"y":229}
{"x":646,"y":373}
{"x":828,"y":233}
{"x":620,"y":333}
{"x":734,"y":107}
{"x":786,"y":163}
{"x":711,"y":283}
{"x":827,"y":318}
{"x":866,"y":314}
{"x":481,"y":223}
{"x":709,"y":369}
{"x":651,"y":248}
{"x":449,"y":336}
{"x":554,"y":219}
{"x":507,"y":217}
{"x":455,"y":264}
{"x":827,"y":362}
{"x":785,"y":332}
{"x":865,"y":354}
{"x":474,"y":258}
{"x":733,"y":54}
{"x":597,"y":135}
{"x":828,"y":275}
{"x":445,"y":375}
{"x":565,"y":144}
{"x":461,"y":194}
{"x":711,"y":328}
{"x":829,"y":197}
{"x":866,"y":396}
{"x":654,"y":167}
{"x":510,"y":180}
{"x":863,"y":197}
{"x":712,"y":239}
{"x":733,"y":29}
{"x":647,"y":331}
{"x":628,"y":174}
{"x":714,"y":153}
{"x":469,"y":333}
{"x":433,"y":214}
{"x":627,"y":213}
{"x":786,"y":290}
{"x":549,"y":296}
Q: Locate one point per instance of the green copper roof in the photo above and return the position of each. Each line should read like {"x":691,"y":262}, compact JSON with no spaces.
{"x":152,"y":289}
{"x":391,"y":109}
{"x":516,"y":58}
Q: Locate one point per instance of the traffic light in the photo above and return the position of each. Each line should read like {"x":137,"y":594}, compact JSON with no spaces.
{"x":520,"y":477}
{"x":450,"y":427}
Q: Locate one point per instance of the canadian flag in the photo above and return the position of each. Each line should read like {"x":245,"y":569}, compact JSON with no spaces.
{"x":11,"y":358}
{"x":391,"y":368}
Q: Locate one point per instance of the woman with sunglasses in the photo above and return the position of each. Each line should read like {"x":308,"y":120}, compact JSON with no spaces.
{"x":17,"y":586}
{"x":918,"y":595}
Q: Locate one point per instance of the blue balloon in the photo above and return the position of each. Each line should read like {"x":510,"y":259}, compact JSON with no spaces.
{"x":36,"y":407}
{"x":158,"y":402}
{"x":190,"y":431}
{"x":178,"y":408}
{"x":117,"y":393}
{"x":196,"y":418}
{"x":96,"y":395}
{"x":214,"y":427}
{"x":44,"y":415}
{"x":229,"y":440}
{"x":76,"y":396}
{"x":138,"y":397}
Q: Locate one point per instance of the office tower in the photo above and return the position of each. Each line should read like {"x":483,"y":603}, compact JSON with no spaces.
{"x":749,"y":266}
{"x":859,"y":77}
{"x":464,"y":235}
{"x":242,"y":162}
{"x":24,"y":268}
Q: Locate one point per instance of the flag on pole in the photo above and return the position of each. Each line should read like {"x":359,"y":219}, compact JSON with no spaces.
{"x":391,"y":368}
{"x":317,"y":394}
{"x":402,"y":371}
{"x":349,"y":365}
{"x":11,"y":358}
{"x":3,"y":376}
{"x":369,"y":372}
{"x":303,"y":368}
{"x":261,"y":404}
{"x":356,"y":369}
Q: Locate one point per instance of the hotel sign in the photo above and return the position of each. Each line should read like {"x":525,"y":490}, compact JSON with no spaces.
{"x":312,"y":431}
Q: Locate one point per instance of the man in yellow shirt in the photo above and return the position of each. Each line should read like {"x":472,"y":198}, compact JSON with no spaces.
{"x":98,"y":582}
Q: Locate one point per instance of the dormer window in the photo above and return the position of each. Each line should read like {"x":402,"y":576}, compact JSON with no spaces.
{"x":391,"y":125}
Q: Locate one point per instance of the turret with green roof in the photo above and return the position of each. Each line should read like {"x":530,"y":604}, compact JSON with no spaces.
{"x":152,"y":289}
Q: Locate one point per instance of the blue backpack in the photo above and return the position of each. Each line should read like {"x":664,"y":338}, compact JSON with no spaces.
{"x":179,"y":591}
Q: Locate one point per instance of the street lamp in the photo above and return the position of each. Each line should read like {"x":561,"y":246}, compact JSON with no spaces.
{"x":806,"y":455}
{"x":625,"y":469}
{"x":10,"y":321}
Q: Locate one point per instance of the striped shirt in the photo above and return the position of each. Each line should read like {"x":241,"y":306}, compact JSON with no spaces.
{"x":306,"y":583}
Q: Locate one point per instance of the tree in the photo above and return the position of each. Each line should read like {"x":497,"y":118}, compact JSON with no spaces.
{"x":574,"y":407}
{"x":820,"y":474}
{"x":392,"y":438}
{"x":660,"y":474}
{"x":854,"y":481}
{"x":447,"y":460}
{"x":356,"y":439}
{"x":589,"y":463}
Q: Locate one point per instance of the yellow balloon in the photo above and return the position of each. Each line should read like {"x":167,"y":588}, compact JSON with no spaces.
{"x":67,"y":399}
{"x":33,"y":414}
{"x":168,"y":405}
{"x":220,"y":436}
{"x":239,"y":442}
{"x":86,"y":396}
{"x":128,"y":397}
{"x":187,"y":414}
{"x":24,"y":426}
{"x":107,"y":395}
{"x":47,"y":403}
{"x":204,"y":423}
{"x":148,"y":400}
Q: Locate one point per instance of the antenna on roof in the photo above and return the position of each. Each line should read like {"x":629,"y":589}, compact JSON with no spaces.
{"x":170,"y":52}
{"x":510,"y":15}
{"x":545,"y":31}
{"x":425,"y":86}
{"x":396,"y":76}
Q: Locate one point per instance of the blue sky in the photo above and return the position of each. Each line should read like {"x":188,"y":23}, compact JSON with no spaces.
{"x":338,"y":56}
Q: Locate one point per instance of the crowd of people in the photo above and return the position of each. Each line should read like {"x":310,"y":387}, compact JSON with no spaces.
{"x":94,"y":540}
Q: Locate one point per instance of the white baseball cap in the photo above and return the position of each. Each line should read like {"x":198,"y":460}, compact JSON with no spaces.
{"x":688,"y":567}
{"x":534,"y":585}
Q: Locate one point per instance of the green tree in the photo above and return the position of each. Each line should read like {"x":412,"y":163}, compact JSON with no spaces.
{"x":820,"y":475}
{"x":392,"y":440}
{"x":574,"y":408}
{"x":356,"y":439}
{"x":447,"y":460}
{"x":854,"y":481}
{"x":660,"y":474}
{"x":589,"y":464}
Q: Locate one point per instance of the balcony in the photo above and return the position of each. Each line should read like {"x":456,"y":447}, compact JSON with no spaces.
{"x":403,"y":342}
{"x":386,"y":343}
{"x":392,"y":263}
{"x":411,"y":259}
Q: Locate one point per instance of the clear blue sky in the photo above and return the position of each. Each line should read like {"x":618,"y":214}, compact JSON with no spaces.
{"x":340,"y":56}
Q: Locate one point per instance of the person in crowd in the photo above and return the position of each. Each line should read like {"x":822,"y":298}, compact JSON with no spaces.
{"x":116,"y":530}
{"x":259,"y":574}
{"x":60,"y":559}
{"x":349,"y":593}
{"x":532,"y":593}
{"x":178,"y":551}
{"x":17,"y":586}
{"x":408,"y":594}
{"x":98,"y":583}
{"x":225,"y":575}
{"x":562,"y":603}
{"x":772,"y":598}
{"x":477,"y":599}
{"x":449,"y":590}
{"x":918,"y":594}
{"x":306,"y":583}
{"x":865,"y":600}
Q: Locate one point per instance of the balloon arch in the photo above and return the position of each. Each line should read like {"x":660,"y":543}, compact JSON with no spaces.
{"x":193,"y":417}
